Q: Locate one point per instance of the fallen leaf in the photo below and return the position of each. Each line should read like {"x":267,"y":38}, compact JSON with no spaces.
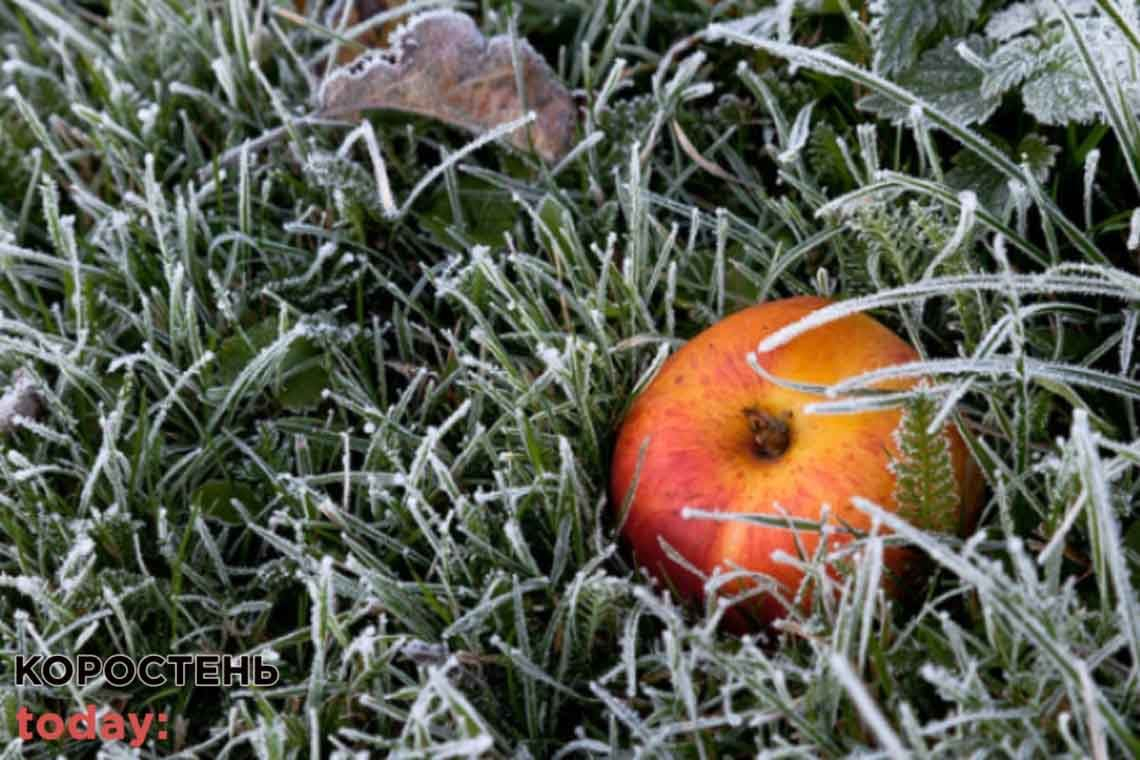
{"x":441,"y":66}
{"x":359,"y":12}
{"x":21,"y":400}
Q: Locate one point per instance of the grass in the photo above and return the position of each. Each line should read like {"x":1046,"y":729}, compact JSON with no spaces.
{"x":280,"y":419}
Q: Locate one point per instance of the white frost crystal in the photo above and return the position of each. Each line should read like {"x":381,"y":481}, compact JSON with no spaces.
{"x":21,"y":400}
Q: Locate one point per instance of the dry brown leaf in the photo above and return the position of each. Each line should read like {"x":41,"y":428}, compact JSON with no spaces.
{"x":440,"y":65}
{"x":692,"y":152}
{"x":360,"y":11}
{"x":21,"y":400}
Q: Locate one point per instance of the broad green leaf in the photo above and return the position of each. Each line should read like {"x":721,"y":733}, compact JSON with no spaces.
{"x":899,"y":26}
{"x":1036,"y":151}
{"x":1019,"y":18}
{"x":943,"y":79}
{"x":302,"y":378}
{"x":1042,"y":59}
{"x":970,"y":172}
{"x":1062,"y":94}
{"x":213,"y":497}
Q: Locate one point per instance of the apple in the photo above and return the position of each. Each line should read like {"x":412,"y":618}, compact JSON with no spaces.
{"x":710,"y":433}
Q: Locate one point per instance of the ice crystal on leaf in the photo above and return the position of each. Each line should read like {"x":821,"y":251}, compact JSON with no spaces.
{"x":899,"y":26}
{"x":926,"y":490}
{"x":1023,"y":17}
{"x":943,"y":79}
{"x":1038,"y":55}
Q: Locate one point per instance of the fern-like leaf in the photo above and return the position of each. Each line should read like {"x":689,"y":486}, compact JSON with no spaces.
{"x":925,"y":488}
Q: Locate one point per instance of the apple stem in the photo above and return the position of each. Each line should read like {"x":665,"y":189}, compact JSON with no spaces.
{"x":771,"y":434}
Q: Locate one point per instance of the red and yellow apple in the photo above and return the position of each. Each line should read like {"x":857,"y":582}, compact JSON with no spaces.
{"x":710,"y":433}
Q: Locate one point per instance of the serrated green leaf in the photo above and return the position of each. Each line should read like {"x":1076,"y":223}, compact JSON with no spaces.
{"x":1040,"y":57}
{"x":970,"y":172}
{"x":1036,"y":151}
{"x":1012,"y":64}
{"x":959,"y":13}
{"x":1019,"y":18}
{"x":1062,"y":94}
{"x":942,"y":78}
{"x":897,"y":27}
